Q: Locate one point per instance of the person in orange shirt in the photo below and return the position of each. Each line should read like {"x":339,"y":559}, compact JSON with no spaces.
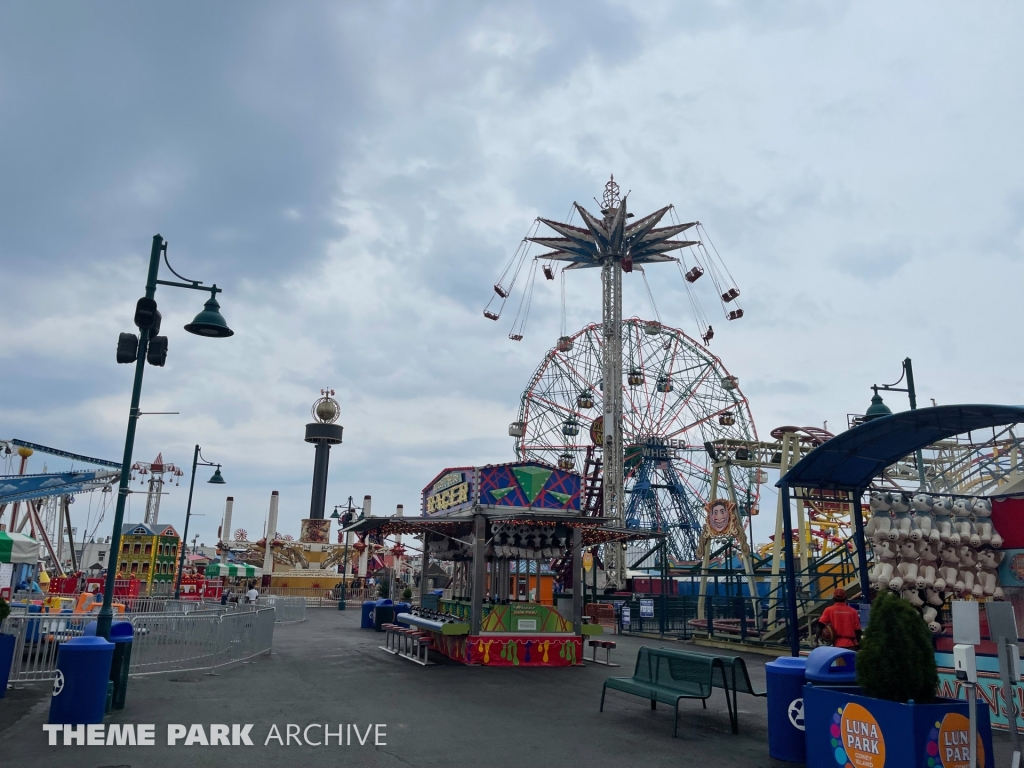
{"x":843,"y":620}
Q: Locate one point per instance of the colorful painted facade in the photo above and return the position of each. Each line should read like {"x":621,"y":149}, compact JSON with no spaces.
{"x":523,"y":485}
{"x":149,"y":553}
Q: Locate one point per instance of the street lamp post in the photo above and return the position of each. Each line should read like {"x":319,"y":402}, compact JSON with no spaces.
{"x":217,"y":479}
{"x":878,"y":409}
{"x":345,"y":521}
{"x":151,"y":347}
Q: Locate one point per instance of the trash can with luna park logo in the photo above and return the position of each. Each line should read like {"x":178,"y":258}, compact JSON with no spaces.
{"x":845,"y":729}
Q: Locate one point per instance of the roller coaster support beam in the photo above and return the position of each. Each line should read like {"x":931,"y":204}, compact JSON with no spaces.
{"x":792,"y":620}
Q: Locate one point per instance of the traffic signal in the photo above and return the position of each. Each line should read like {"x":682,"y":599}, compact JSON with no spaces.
{"x":145,"y":313}
{"x":127,"y":348}
{"x":156,"y":354}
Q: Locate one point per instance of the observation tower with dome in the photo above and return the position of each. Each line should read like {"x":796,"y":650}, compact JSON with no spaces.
{"x":323,"y":433}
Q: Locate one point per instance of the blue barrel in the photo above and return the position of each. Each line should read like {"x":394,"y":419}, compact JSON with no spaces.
{"x":366,"y":615}
{"x":786,"y":708}
{"x":80,"y":688}
{"x":832,"y":666}
{"x":383,"y":613}
{"x":6,"y":659}
{"x":402,"y":607}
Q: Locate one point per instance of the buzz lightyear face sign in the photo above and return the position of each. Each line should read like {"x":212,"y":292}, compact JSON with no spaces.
{"x":721,"y":520}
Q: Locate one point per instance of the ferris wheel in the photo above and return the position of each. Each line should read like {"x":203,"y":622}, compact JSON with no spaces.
{"x":676,"y":397}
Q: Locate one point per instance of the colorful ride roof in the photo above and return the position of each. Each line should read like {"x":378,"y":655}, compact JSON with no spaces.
{"x":527,"y":485}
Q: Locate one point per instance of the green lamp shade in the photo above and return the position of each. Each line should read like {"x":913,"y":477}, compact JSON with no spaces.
{"x":877,"y":409}
{"x":335,"y":515}
{"x":217,"y":478}
{"x":210,"y":322}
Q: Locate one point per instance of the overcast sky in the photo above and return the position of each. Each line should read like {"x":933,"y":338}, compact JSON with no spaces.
{"x":355,"y":175}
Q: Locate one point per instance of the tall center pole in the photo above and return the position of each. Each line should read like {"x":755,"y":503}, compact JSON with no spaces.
{"x":611,"y":327}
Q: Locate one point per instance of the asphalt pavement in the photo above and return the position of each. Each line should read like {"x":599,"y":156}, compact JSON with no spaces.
{"x":326,"y":670}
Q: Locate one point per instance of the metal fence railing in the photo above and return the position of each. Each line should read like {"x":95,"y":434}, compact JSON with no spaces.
{"x":190,"y":642}
{"x":287,"y":608}
{"x":726,"y":615}
{"x":21,"y":600}
{"x":37,"y":638}
{"x":322,"y":597}
{"x":163,"y":642}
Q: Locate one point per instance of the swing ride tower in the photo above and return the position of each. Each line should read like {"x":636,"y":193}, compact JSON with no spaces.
{"x":616,"y":246}
{"x":609,"y":243}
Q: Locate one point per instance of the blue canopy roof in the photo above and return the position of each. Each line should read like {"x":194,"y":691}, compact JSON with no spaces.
{"x":850,"y":460}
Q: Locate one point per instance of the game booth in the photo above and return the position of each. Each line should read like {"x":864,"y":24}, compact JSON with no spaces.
{"x":498,"y":526}
{"x":985,"y":564}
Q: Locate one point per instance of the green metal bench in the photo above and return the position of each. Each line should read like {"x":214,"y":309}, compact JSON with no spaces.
{"x":737,"y":680}
{"x":666,"y":676}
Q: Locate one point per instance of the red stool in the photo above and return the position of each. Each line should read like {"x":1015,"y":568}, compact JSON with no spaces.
{"x":608,"y":645}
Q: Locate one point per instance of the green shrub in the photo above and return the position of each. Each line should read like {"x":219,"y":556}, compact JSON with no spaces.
{"x":5,"y":610}
{"x":407,"y":594}
{"x":384,"y":590}
{"x":896,"y":661}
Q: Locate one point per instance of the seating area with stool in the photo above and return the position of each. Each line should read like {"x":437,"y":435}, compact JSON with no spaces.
{"x":608,"y":646}
{"x":411,"y":644}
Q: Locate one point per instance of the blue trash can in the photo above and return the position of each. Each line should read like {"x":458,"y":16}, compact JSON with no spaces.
{"x":383,"y":613}
{"x":80,"y":688}
{"x":366,"y":615}
{"x":832,"y":666}
{"x":786,"y":708}
{"x":402,"y":608}
{"x":122,"y":633}
{"x":6,"y":659}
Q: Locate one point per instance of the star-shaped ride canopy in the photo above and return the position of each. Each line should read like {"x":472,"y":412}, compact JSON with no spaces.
{"x":641,"y":242}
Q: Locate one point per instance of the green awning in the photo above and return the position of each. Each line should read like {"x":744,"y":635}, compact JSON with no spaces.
{"x":18,"y":548}
{"x":233,"y":570}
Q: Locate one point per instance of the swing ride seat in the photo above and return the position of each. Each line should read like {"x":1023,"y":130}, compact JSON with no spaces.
{"x":670,"y":676}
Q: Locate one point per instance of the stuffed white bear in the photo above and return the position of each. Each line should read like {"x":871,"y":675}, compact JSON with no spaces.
{"x":901,"y":511}
{"x":962,"y":528}
{"x":502,"y":540}
{"x":967,"y":570}
{"x":911,"y":596}
{"x":552,"y":541}
{"x":983,"y":527}
{"x":885,"y":564}
{"x":518,"y":547}
{"x":878,"y":525}
{"x":906,"y":567}
{"x":988,"y":576}
{"x":930,"y":615}
{"x":933,"y":597}
{"x":928,"y":560}
{"x":924,"y":520}
{"x":942,"y":511}
{"x":947,"y":572}
{"x":930,"y":611}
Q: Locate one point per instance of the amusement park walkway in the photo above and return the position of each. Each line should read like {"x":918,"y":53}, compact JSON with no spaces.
{"x":326,"y":670}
